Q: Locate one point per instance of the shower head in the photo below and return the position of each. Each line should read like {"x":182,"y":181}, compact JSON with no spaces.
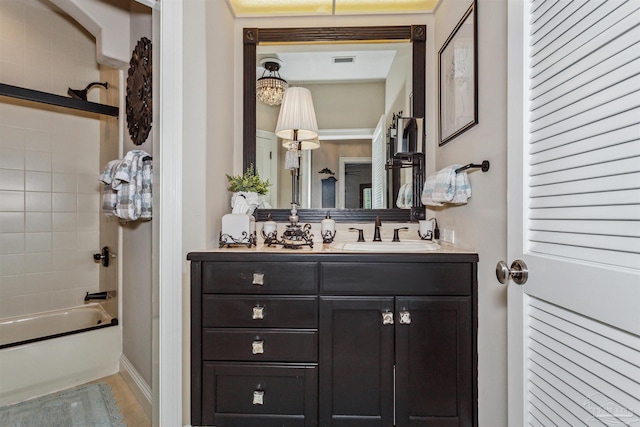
{"x":82,"y":93}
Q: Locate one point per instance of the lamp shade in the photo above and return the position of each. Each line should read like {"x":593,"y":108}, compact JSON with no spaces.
{"x":310,"y":144}
{"x":297,"y":119}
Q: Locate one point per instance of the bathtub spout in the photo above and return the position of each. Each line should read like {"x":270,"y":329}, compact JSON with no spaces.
{"x":95,"y":296}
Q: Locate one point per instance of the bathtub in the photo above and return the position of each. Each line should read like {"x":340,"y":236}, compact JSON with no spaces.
{"x":54,"y":350}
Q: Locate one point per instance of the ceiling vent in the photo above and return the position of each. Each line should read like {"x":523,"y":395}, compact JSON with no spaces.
{"x":344,"y":59}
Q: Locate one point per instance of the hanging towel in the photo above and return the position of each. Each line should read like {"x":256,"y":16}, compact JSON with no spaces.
{"x":405,"y":196}
{"x":427,"y":191}
{"x":446,"y":186}
{"x":128,"y":193}
{"x":462,"y":191}
{"x":109,"y":195}
{"x":145,"y":193}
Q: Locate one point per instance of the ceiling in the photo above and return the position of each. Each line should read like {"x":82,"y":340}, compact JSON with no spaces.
{"x":254,"y":8}
{"x":315,"y":63}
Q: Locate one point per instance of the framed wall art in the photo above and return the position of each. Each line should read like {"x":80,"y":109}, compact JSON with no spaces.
{"x":458,"y":79}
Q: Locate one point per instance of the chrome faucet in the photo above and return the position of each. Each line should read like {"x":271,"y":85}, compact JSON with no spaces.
{"x":376,"y":230}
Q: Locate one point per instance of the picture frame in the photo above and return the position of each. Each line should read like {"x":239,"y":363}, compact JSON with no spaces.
{"x":458,"y":79}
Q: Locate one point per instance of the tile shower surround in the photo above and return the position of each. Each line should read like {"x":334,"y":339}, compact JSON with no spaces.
{"x":49,"y":163}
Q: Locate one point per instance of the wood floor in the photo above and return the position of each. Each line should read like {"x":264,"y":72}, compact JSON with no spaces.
{"x":134,"y":415}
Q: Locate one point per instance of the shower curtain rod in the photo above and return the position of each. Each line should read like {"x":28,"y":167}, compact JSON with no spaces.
{"x":58,"y":100}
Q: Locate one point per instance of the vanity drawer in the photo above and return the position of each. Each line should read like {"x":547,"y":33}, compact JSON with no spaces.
{"x":260,"y":277}
{"x":260,"y":345}
{"x":244,"y":395}
{"x":339,"y":278}
{"x":259,"y":311}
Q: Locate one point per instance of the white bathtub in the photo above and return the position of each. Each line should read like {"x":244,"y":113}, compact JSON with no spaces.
{"x":54,"y":350}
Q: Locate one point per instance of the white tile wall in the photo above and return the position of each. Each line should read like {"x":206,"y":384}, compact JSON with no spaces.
{"x":49,"y":164}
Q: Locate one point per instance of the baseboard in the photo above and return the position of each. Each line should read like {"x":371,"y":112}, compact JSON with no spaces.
{"x":140,"y":389}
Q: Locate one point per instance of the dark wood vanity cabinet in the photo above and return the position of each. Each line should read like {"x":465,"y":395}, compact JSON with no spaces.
{"x":344,"y":340}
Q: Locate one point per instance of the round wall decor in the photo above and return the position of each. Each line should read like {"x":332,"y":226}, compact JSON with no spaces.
{"x":139,"y":90}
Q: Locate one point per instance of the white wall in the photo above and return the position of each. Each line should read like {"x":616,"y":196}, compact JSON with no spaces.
{"x":208,"y":122}
{"x":481,"y":224}
{"x":49,"y":163}
{"x":136,"y":244}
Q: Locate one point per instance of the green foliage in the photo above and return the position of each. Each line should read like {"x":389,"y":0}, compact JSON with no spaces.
{"x":250,"y":181}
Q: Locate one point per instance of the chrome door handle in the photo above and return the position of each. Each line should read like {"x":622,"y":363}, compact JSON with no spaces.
{"x":258,"y":312}
{"x":258,"y":279}
{"x":405,"y":318}
{"x":387,"y":318}
{"x":258,"y":397}
{"x":519,"y":272}
{"x":257,"y":347}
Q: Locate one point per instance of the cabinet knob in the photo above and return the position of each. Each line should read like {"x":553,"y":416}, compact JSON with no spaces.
{"x":258,"y":279}
{"x":257,"y":347}
{"x":387,"y":318}
{"x":258,"y":312}
{"x":258,"y":397}
{"x":405,"y":318}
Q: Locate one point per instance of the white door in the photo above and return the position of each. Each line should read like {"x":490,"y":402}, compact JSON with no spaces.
{"x":378,"y":163}
{"x":267,"y":162}
{"x":574,"y":212}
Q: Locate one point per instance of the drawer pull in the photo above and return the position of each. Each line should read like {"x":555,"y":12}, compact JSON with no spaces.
{"x":258,"y":279}
{"x":405,"y":318}
{"x":257,"y":347}
{"x":258,"y":397}
{"x":387,"y":318}
{"x":258,"y":312}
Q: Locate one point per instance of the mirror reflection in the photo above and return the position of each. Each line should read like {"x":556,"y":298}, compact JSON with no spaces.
{"x":357,"y":90}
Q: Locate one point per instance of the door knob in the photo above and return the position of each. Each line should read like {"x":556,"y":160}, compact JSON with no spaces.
{"x":518,"y":272}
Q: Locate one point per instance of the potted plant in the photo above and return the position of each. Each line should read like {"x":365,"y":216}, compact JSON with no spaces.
{"x":248,"y":191}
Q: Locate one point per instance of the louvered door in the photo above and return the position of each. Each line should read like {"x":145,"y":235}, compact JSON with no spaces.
{"x":574,"y":212}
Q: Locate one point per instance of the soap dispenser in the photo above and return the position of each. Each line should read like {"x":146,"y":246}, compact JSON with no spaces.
{"x":328,"y":229}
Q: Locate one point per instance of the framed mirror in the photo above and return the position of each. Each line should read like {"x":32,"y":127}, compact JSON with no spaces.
{"x":255,"y":37}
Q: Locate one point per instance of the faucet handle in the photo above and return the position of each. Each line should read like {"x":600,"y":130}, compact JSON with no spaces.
{"x":360,"y":233}
{"x":396,"y":237}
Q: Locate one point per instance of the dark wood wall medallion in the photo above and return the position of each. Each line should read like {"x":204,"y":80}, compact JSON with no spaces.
{"x":139,"y":91}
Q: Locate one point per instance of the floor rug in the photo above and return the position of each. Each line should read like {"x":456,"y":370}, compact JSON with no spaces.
{"x":91,"y":405}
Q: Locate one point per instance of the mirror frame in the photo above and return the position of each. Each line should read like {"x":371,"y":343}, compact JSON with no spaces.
{"x":416,"y":34}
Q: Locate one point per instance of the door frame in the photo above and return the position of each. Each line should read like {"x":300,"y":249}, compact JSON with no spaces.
{"x":341,"y":175}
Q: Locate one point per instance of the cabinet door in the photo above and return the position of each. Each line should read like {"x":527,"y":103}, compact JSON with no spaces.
{"x":356,"y":362}
{"x":434,"y":363}
{"x":259,"y":395}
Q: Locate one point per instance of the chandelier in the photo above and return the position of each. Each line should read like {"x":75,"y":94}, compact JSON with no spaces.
{"x":270,"y":88}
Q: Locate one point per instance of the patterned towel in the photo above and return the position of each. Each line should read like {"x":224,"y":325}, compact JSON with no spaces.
{"x":446,"y":186}
{"x":109,"y":196}
{"x":128,"y":192}
{"x":462,"y":191}
{"x":405,"y":196}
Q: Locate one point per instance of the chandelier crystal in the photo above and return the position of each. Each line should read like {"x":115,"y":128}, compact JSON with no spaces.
{"x":270,"y":88}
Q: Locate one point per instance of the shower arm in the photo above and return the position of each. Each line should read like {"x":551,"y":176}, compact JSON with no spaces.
{"x":82,"y":93}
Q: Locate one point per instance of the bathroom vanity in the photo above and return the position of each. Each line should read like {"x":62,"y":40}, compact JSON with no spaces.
{"x":326,"y":338}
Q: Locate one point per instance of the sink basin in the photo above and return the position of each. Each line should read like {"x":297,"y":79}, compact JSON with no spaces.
{"x":406,"y":246}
